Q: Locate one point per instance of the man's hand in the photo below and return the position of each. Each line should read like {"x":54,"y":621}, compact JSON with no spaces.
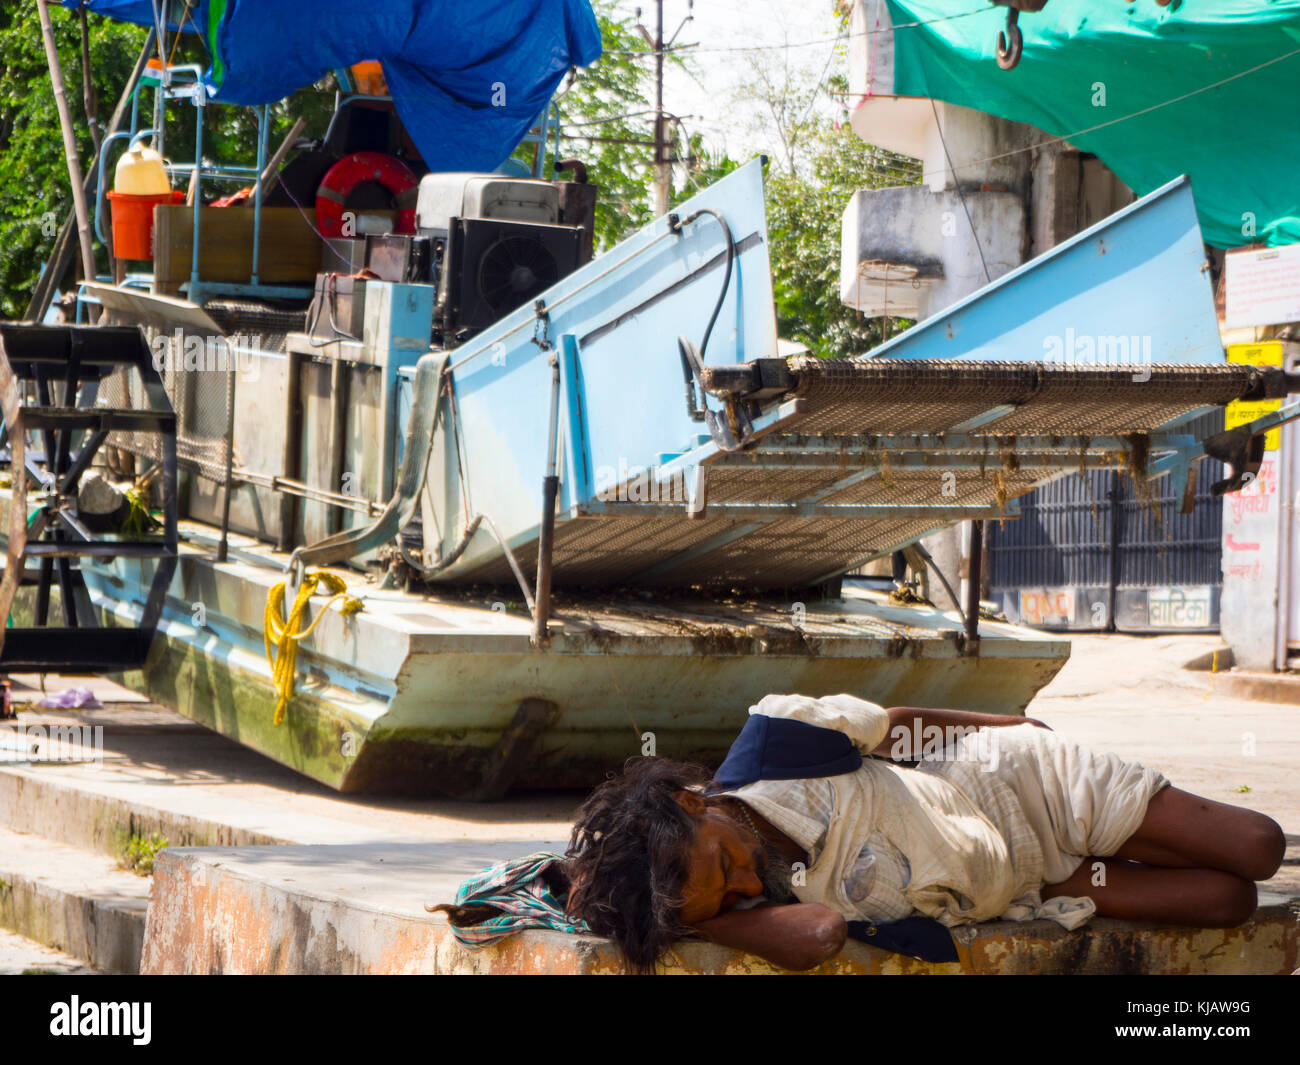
{"x":797,"y":936}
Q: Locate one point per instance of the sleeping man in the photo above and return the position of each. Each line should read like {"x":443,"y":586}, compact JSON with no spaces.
{"x":834,"y":811}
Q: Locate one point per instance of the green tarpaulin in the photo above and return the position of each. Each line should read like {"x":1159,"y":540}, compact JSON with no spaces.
{"x":1091,"y":69}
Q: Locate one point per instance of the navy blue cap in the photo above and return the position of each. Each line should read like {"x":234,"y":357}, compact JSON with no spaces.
{"x":780,"y":748}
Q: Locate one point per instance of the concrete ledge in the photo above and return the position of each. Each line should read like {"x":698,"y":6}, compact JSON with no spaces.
{"x":1262,"y":687}
{"x":47,"y":803}
{"x":359,"y":909}
{"x":1269,"y":944}
{"x":72,"y":900}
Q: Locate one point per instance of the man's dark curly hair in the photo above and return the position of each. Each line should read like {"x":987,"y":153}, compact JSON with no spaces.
{"x":628,"y":857}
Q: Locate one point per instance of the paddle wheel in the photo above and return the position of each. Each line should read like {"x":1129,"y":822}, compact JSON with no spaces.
{"x":54,"y":428}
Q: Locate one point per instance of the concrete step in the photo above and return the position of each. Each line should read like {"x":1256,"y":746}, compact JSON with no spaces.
{"x":360,"y":909}
{"x":322,"y":909}
{"x":20,"y":956}
{"x":158,"y":773}
{"x":1281,"y":688}
{"x":73,"y":900}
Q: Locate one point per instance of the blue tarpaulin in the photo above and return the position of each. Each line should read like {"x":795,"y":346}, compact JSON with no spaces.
{"x":468,"y":80}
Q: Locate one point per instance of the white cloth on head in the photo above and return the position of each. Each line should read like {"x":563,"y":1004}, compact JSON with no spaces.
{"x":972,"y":833}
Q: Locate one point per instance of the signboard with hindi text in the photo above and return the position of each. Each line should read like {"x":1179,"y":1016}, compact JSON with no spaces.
{"x":1046,"y":607}
{"x":1239,"y":412}
{"x":1179,"y":606}
{"x":1262,"y":286}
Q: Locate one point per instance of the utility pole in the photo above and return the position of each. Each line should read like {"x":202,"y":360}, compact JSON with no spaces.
{"x":663,"y":172}
{"x":663,"y":161}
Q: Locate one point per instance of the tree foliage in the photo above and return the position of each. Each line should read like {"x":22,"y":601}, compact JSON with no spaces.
{"x":35,"y":193}
{"x":818,"y":166}
{"x":609,"y":100}
{"x":613,"y":100}
{"x":804,"y":226}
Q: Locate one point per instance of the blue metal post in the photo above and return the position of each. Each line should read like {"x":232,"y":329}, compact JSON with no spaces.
{"x":198,"y":188}
{"x":555,"y":155}
{"x":262,"y":131}
{"x":543,"y":135}
{"x":578,"y":484}
{"x":160,"y":110}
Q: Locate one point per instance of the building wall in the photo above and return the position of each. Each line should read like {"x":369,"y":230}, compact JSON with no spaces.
{"x":1261,"y":556}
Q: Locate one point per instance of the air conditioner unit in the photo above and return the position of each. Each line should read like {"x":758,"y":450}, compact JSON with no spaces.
{"x":443,"y":197}
{"x":494,"y":267}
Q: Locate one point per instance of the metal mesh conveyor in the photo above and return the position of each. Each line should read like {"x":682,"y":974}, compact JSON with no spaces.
{"x":610,"y":435}
{"x":848,"y":460}
{"x":933,"y":396}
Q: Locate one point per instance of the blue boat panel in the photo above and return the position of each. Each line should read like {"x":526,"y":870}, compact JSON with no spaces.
{"x":618,"y":318}
{"x":1131,"y":289}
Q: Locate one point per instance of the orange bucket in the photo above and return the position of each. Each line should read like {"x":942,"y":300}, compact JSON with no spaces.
{"x":133,"y":222}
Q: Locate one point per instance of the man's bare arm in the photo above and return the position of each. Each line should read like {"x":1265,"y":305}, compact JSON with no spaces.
{"x":907,"y":725}
{"x":797,"y":936}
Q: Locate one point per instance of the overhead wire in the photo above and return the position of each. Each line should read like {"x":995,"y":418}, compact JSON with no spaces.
{"x":697,"y":50}
{"x":961,"y":196}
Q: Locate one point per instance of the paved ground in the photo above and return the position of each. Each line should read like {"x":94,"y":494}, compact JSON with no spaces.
{"x":19,"y":955}
{"x":1130,"y":694}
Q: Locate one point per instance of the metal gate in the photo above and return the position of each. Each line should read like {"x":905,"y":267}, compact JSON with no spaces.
{"x":1096,"y":552}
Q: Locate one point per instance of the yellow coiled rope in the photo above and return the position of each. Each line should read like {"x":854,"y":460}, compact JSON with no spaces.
{"x":283,"y":635}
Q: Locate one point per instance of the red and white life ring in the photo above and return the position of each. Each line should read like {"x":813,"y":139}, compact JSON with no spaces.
{"x":355,"y":170}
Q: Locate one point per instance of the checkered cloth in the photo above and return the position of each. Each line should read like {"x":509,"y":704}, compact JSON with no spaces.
{"x":509,"y":897}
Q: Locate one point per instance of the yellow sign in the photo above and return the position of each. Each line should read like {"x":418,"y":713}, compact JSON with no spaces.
{"x":1239,"y":412}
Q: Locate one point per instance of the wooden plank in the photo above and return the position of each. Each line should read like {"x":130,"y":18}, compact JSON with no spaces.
{"x":291,"y":250}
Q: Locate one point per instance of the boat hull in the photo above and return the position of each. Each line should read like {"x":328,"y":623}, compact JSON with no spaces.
{"x":423,"y":693}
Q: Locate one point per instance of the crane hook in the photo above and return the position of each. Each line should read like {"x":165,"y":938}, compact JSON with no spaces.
{"x":1010,"y":41}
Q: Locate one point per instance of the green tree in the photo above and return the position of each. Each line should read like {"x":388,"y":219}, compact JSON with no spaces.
{"x":607,"y":100}
{"x":804,"y":216}
{"x":34,"y":191}
{"x":611,"y":100}
{"x":35,"y":194}
{"x":702,"y":166}
{"x":817,"y":165}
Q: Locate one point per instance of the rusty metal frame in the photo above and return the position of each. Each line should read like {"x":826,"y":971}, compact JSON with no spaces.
{"x":31,"y":359}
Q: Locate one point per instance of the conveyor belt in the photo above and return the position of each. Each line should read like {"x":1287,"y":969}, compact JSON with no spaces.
{"x":845,"y":396}
{"x":912,"y":446}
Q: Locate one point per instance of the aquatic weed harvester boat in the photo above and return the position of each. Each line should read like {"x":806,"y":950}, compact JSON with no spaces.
{"x":377,"y":470}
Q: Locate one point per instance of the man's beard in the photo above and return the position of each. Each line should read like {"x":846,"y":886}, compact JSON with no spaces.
{"x":777,"y":875}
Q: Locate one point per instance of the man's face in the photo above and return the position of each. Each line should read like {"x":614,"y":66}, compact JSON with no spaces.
{"x":726,"y":863}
